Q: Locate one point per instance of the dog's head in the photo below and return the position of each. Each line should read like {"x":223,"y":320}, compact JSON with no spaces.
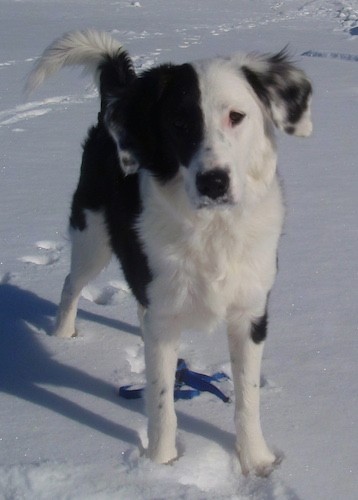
{"x":210,"y":122}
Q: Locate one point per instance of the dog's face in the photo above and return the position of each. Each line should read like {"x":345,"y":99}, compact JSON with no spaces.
{"x":210,"y":123}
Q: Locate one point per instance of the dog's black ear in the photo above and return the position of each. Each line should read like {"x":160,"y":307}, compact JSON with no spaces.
{"x":284,"y":90}
{"x":116,"y":75}
{"x":115,"y":119}
{"x":131,"y":115}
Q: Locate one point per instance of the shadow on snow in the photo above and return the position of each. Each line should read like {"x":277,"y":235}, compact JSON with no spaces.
{"x":25,"y":365}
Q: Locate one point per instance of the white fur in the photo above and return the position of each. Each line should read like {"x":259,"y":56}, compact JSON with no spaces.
{"x":87,"y":48}
{"x":91,"y":252}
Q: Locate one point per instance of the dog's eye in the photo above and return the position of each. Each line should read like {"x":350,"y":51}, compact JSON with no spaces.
{"x":236,"y":117}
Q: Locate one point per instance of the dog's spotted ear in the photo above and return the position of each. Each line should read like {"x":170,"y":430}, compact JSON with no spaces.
{"x":284,"y":90}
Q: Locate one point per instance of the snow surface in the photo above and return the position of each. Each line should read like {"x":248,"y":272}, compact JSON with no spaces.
{"x":64,"y":433}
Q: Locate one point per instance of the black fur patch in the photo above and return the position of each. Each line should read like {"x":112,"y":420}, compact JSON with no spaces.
{"x":290,"y":130}
{"x":259,"y":329}
{"x":158,"y":119}
{"x":116,"y":74}
{"x":296,"y":98}
{"x":103,"y":187}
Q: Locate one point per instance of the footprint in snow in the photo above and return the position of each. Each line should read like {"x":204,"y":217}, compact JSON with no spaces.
{"x":6,"y":278}
{"x":24,"y":112}
{"x":108,"y":295}
{"x":12,"y":62}
{"x":268,"y":385}
{"x":348,"y":17}
{"x":135,"y":358}
{"x":48,"y":253}
{"x":40,"y":260}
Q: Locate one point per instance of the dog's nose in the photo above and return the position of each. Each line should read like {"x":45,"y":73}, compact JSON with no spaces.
{"x":213,"y":183}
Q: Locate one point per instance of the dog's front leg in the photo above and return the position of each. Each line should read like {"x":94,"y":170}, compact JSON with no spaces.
{"x":161,"y":340}
{"x":246,"y":356}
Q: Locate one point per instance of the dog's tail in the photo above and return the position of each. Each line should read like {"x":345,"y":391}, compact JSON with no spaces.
{"x":93,"y":50}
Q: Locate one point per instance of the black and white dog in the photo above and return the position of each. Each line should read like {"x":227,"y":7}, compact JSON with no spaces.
{"x":178,"y":179}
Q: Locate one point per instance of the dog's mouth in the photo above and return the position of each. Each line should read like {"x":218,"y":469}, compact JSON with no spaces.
{"x":223,"y":202}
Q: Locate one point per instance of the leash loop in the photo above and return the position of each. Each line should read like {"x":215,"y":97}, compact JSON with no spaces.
{"x":199,"y":382}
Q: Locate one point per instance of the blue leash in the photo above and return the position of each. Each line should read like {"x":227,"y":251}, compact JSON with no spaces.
{"x":198,"y":382}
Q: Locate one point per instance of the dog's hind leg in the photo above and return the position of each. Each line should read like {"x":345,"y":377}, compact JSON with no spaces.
{"x":90,"y":254}
{"x":246,"y":342}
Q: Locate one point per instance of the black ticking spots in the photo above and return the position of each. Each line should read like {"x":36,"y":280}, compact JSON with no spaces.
{"x":283,"y":89}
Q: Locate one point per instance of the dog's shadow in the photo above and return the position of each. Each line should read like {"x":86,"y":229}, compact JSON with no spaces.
{"x":25,"y":366}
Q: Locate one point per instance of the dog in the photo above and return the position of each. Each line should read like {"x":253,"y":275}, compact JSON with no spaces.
{"x":178,"y":180}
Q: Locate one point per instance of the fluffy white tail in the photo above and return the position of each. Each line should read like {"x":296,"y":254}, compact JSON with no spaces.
{"x":86,"y":48}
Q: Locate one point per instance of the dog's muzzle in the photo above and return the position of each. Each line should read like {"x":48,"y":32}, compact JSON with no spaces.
{"x":213,"y":187}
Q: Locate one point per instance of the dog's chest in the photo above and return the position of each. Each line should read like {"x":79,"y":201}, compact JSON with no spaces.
{"x":200,"y":266}
{"x":206,"y":262}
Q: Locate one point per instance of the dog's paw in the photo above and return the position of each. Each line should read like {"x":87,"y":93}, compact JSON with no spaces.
{"x":260,"y":462}
{"x":63,"y":332}
{"x":163,"y":456}
{"x":64,"y":326}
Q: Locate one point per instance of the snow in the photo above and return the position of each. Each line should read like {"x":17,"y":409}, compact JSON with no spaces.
{"x":64,"y":432}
